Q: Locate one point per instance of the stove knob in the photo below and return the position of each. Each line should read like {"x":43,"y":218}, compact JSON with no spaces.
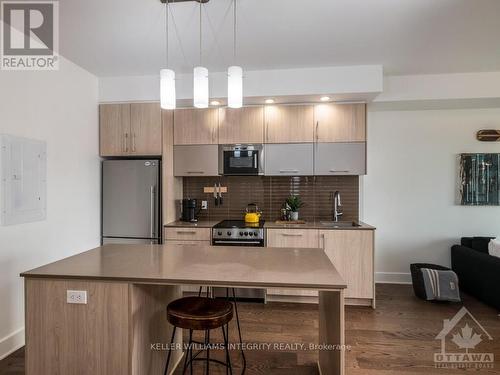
{"x":241,"y":233}
{"x":219,"y":233}
{"x":250,"y":233}
{"x":229,"y":233}
{"x":246,"y":233}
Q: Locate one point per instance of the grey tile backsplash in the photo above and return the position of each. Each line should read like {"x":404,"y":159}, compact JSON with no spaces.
{"x":270,"y":192}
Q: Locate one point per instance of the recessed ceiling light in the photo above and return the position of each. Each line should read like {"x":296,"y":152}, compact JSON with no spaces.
{"x":214,"y":102}
{"x":269,"y":101}
{"x":325,"y":98}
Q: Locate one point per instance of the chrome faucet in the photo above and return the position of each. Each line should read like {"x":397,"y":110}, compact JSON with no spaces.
{"x":337,"y":206}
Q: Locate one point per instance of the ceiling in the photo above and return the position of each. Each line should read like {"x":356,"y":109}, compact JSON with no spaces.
{"x":127,"y":37}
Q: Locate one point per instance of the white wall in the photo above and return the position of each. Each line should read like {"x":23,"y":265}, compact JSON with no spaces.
{"x":409,"y":192}
{"x":59,"y":107}
{"x":345,"y":82}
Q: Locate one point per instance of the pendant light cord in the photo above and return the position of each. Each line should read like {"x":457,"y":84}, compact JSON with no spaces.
{"x":234,"y":32}
{"x":200,"y":35}
{"x":166,"y":22}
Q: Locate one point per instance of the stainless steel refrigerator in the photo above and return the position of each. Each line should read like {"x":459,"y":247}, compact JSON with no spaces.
{"x":131,"y":203}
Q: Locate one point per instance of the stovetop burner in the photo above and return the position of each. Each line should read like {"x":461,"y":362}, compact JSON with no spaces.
{"x":239,"y":224}
{"x":238,"y":233}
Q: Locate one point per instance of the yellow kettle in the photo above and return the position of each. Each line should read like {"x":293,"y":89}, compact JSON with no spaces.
{"x":252,"y":214}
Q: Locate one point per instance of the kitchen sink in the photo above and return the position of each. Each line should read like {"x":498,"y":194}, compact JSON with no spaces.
{"x":339,"y":224}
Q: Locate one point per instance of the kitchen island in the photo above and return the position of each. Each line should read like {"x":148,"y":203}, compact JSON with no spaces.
{"x":114,"y":328}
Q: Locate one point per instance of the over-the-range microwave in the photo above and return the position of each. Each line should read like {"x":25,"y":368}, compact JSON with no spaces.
{"x":241,"y":160}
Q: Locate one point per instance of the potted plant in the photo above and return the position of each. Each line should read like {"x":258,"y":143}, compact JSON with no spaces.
{"x":294,"y":203}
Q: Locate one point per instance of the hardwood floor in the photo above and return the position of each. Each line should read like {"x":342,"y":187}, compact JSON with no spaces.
{"x":396,"y":338}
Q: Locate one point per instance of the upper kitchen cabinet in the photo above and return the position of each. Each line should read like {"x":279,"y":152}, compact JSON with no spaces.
{"x":340,"y":159}
{"x":289,"y":123}
{"x":145,"y":127}
{"x":196,"y":160}
{"x":114,"y":129}
{"x":130,"y":129}
{"x":242,"y":125}
{"x":340,"y":122}
{"x":194,"y":126}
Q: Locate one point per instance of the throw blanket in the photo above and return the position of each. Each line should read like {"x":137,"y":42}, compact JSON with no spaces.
{"x":494,"y":247}
{"x":441,"y":285}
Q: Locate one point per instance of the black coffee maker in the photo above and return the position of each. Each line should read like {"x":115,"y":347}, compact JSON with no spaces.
{"x":189,"y":210}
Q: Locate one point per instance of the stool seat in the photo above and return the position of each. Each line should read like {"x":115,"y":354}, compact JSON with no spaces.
{"x":199,"y":313}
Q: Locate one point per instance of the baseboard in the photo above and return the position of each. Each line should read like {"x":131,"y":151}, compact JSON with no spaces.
{"x":9,"y":344}
{"x":392,"y":278}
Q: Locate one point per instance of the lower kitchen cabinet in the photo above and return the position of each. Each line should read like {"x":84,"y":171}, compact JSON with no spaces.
{"x":187,"y":234}
{"x":340,"y":159}
{"x":293,"y":159}
{"x":178,"y":236}
{"x":196,"y":160}
{"x":296,"y":238}
{"x":352,"y":253}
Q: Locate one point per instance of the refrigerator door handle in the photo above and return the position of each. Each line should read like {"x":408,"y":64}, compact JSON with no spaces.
{"x":152,"y":213}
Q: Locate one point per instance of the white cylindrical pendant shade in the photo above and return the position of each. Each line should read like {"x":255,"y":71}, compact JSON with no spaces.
{"x":200,"y":87}
{"x":235,"y":87}
{"x":167,"y":89}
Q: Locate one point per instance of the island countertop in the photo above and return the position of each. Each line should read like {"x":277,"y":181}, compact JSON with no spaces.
{"x":199,"y":265}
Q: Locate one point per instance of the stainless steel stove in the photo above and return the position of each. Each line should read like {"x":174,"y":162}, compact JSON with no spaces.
{"x":238,"y":233}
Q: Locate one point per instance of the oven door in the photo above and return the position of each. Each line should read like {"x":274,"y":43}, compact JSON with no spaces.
{"x":254,"y":243}
{"x":241,"y":160}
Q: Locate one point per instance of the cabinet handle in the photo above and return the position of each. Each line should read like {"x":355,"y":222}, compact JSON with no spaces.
{"x":336,"y":171}
{"x":186,"y":232}
{"x":323,"y":241}
{"x":289,"y":171}
{"x":317,"y":127}
{"x":126,"y":142}
{"x":267,"y":133}
{"x":133,"y":142}
{"x":195,"y":172}
{"x":292,"y":234}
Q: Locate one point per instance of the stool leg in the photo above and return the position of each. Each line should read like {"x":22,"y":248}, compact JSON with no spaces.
{"x":239,"y":333}
{"x":225,"y":334}
{"x":188,"y":351}
{"x":169,"y":351}
{"x":208,"y":352}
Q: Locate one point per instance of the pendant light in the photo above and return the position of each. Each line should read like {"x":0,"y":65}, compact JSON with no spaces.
{"x":200,"y":80}
{"x":167,"y":76}
{"x":234,"y":74}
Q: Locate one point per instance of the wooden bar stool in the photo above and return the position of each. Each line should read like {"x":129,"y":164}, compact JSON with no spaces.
{"x":200,"y":314}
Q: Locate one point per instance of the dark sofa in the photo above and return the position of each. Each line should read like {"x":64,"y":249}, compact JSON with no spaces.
{"x":478,"y":272}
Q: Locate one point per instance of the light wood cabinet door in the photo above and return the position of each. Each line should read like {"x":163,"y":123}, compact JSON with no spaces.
{"x":294,"y":238}
{"x":195,"y":126}
{"x":340,"y":122}
{"x":297,"y":238}
{"x":242,"y":125}
{"x":187,"y":234}
{"x":352,"y":252}
{"x":114,"y":129}
{"x":145,"y":127}
{"x":289,"y":123}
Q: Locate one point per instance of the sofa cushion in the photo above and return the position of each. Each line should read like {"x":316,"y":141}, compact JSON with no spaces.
{"x":481,"y":244}
{"x":466,"y":241}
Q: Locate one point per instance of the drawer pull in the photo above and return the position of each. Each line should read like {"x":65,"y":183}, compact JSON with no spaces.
{"x":289,"y":171}
{"x":292,"y":234}
{"x":186,"y":232}
{"x":195,"y":172}
{"x":336,"y":171}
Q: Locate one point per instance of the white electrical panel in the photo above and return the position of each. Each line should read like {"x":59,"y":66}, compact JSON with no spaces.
{"x":23,"y":171}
